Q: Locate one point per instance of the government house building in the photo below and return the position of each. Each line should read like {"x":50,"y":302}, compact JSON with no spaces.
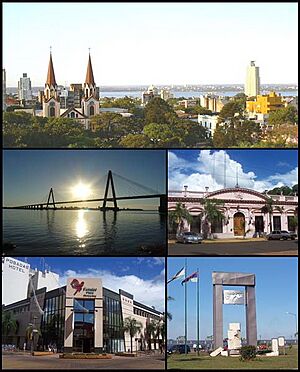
{"x":245,"y":212}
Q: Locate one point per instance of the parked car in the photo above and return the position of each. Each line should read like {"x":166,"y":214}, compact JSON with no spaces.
{"x":189,"y":237}
{"x":180,"y":349}
{"x":281,"y":234}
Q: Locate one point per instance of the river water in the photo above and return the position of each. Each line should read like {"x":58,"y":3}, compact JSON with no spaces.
{"x":84,"y":232}
{"x":186,"y":94}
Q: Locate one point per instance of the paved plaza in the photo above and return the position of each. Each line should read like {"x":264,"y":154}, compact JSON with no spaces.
{"x":18,"y":361}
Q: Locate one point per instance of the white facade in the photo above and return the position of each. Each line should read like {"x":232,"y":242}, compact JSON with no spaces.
{"x":24,"y":88}
{"x":15,"y":274}
{"x":18,"y":274}
{"x":244,"y":215}
{"x":165,"y":94}
{"x":141,"y":313}
{"x":209,"y":122}
{"x":252,"y":86}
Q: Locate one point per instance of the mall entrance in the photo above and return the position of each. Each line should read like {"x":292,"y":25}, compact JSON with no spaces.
{"x":83,"y":335}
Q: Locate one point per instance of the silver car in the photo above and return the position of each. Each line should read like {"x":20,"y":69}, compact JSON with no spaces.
{"x":280,"y":234}
{"x":189,"y":237}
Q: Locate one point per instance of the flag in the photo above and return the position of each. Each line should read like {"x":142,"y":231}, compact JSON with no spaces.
{"x":193,"y":278}
{"x":180,"y":273}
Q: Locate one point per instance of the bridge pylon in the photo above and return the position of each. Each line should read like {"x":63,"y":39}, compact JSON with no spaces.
{"x":108,"y":182}
{"x":51,"y":193}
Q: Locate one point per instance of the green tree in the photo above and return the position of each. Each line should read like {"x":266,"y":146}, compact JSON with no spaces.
{"x":178,"y":216}
{"x":287,"y":115}
{"x":9,"y":324}
{"x":156,"y":110}
{"x":150,"y":332}
{"x":136,"y":141}
{"x":211,"y":214}
{"x":268,"y":208}
{"x":132,"y":326}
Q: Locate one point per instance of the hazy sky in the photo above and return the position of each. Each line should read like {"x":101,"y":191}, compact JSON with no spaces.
{"x":276,"y":293}
{"x":29,"y":174}
{"x":258,"y":170}
{"x":143,"y":43}
{"x":141,"y":276}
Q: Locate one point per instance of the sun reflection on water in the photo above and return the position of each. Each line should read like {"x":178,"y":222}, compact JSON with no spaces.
{"x":81,"y":226}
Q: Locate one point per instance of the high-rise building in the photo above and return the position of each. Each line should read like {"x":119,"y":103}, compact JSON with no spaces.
{"x":3,"y":89}
{"x":24,"y":88}
{"x":252,"y":86}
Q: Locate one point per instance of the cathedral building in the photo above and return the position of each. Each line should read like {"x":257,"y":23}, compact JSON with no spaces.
{"x":81,"y":103}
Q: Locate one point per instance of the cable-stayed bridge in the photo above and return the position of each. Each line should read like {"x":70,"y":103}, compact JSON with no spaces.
{"x":134,"y":191}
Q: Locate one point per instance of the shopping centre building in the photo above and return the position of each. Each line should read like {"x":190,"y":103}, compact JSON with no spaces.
{"x":82,"y":316}
{"x":245,"y":211}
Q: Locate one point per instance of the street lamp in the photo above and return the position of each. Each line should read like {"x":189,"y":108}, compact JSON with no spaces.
{"x":295,"y":315}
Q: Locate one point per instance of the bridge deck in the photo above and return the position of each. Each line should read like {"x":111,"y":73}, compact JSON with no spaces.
{"x":95,"y":200}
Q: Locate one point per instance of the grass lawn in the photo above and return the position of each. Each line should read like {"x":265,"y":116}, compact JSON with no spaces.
{"x":288,"y":361}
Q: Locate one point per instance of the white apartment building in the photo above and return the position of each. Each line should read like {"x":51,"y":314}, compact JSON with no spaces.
{"x":24,"y":88}
{"x":252,"y":86}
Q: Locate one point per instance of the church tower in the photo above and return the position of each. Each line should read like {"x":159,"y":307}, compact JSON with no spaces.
{"x":51,"y":104}
{"x":90,"y":101}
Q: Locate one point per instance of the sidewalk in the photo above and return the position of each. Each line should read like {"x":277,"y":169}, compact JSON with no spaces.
{"x":229,"y":240}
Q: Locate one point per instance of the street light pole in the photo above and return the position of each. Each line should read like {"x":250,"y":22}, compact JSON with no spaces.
{"x":295,"y":315}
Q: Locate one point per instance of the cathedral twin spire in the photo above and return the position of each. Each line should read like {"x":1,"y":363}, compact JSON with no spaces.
{"x":89,"y":79}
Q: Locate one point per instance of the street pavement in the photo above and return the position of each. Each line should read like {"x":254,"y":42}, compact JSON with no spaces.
{"x":265,"y":248}
{"x":53,"y":362}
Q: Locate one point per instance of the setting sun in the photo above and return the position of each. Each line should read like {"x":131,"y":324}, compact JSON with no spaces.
{"x":81,"y":190}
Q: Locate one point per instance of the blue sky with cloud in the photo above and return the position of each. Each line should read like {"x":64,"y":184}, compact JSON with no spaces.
{"x":253,"y":169}
{"x":144,"y":277}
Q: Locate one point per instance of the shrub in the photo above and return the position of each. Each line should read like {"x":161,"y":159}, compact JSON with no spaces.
{"x":248,"y":352}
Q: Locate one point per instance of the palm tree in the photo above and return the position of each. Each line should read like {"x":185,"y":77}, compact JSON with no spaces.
{"x":151,"y":332}
{"x":179,"y":215}
{"x":132,"y":326}
{"x":9,"y":324}
{"x":169,"y":315}
{"x":211,"y":213}
{"x":268,"y":208}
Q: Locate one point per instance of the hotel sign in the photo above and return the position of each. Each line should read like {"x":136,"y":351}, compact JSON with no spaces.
{"x":233,"y":297}
{"x":84,"y":288}
{"x":16,"y":265}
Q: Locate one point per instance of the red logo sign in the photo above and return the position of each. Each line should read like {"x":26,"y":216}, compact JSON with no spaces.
{"x":76,"y":285}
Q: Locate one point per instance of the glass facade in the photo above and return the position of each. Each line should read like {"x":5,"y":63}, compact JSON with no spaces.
{"x":113,"y":335}
{"x":53,"y":320}
{"x":83,"y":335}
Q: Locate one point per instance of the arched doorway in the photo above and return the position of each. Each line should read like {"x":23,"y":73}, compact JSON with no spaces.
{"x":239,"y":224}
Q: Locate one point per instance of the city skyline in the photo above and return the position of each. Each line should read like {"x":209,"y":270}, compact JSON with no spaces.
{"x":136,"y":31}
{"x":276,"y":293}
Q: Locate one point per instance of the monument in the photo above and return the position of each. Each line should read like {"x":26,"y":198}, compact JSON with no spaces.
{"x":234,"y":336}
{"x":246,"y":298}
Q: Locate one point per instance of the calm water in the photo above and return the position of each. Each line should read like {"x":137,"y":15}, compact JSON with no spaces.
{"x":84,"y":232}
{"x":187,"y":94}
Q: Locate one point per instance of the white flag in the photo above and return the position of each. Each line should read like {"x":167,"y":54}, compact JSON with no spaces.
{"x":180,"y":273}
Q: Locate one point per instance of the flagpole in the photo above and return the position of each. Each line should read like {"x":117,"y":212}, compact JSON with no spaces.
{"x":198,"y":316}
{"x":185,"y":310}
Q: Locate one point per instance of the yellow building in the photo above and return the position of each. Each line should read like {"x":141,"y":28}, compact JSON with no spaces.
{"x":265,"y":104}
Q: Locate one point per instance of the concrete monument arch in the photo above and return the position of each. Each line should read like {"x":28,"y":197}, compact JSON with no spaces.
{"x":221,"y":279}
